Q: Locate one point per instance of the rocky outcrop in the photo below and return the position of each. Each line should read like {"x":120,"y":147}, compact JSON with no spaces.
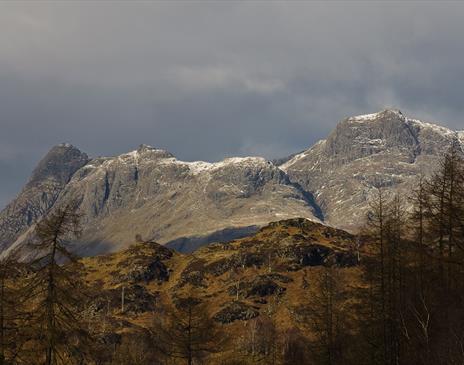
{"x":236,"y":311}
{"x":137,"y":299}
{"x":194,"y":274}
{"x":261,"y":286}
{"x":144,"y":262}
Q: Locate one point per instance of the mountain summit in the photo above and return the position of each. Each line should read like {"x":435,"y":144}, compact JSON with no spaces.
{"x":384,"y":149}
{"x":47,"y":181}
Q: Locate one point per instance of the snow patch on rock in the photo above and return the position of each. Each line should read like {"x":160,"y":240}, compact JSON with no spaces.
{"x":461,"y":138}
{"x":364,"y":118}
{"x":199,"y":167}
{"x":299,"y":156}
{"x":133,"y":154}
{"x":430,"y":126}
{"x":374,"y":116}
{"x":65,"y":145}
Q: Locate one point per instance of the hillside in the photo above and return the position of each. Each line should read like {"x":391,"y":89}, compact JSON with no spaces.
{"x":273,"y":272}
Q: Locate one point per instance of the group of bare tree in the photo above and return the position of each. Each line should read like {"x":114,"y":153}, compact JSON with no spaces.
{"x":415,"y":304}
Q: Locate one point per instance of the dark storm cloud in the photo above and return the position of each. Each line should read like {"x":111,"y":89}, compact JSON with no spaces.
{"x":209,"y":80}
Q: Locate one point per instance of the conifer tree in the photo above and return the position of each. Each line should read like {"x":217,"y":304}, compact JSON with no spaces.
{"x":57,"y":292}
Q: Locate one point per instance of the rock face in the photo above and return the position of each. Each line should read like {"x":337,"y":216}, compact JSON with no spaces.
{"x":383,"y":149}
{"x":48,"y":180}
{"x":148,"y":192}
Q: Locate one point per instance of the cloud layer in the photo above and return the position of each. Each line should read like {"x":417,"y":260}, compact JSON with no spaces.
{"x":209,"y":80}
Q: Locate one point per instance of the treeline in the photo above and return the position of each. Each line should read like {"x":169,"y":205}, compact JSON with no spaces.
{"x":404,"y":304}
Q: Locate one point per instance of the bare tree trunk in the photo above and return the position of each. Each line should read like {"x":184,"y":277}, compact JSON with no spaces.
{"x":51,"y":306}
{"x":122,"y":299}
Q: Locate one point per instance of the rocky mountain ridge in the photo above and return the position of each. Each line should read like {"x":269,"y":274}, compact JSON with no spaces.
{"x":150,"y":193}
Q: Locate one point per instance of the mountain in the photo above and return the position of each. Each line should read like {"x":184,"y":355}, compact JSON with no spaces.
{"x":184,"y":205}
{"x":148,"y":192}
{"x":384,"y":149}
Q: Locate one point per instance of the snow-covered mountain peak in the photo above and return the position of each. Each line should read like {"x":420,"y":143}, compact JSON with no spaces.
{"x":395,"y":114}
{"x":388,"y":129}
{"x":383,"y":132}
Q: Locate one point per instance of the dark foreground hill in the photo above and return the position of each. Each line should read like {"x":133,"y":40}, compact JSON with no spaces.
{"x":272,"y":274}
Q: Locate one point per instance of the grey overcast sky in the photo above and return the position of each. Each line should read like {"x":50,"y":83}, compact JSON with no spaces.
{"x":206,"y":80}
